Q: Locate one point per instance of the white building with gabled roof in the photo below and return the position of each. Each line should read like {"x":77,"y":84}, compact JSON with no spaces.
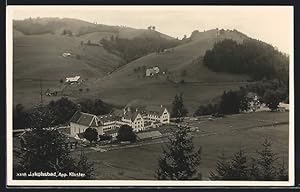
{"x":72,"y":79}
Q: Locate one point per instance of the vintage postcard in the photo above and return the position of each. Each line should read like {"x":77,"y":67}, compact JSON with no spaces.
{"x":150,"y":96}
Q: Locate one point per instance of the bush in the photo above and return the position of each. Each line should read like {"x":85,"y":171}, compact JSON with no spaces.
{"x":271,"y":99}
{"x":126,"y":133}
{"x":91,"y":134}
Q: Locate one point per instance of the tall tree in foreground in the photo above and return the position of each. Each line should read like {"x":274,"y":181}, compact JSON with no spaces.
{"x":44,"y":149}
{"x":178,"y":109}
{"x":180,"y":160}
{"x":222,"y":168}
{"x":266,"y":161}
{"x":236,"y":169}
{"x":83,"y":166}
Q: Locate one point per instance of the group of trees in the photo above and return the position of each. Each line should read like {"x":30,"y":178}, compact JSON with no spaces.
{"x":151,"y":28}
{"x":231,"y":102}
{"x":56,"y":112}
{"x":125,"y":133}
{"x":45,"y":150}
{"x":252,"y":57}
{"x":270,"y":92}
{"x":180,"y":161}
{"x":178,"y":109}
{"x":131,"y":49}
{"x":263,"y":167}
{"x":96,"y":107}
{"x":67,"y":32}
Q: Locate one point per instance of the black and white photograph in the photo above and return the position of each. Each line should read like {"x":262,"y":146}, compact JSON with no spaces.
{"x":150,"y":95}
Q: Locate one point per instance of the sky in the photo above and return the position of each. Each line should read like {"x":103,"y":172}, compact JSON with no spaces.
{"x":272,"y":24}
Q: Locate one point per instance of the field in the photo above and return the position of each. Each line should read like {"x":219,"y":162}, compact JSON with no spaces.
{"x":221,"y":135}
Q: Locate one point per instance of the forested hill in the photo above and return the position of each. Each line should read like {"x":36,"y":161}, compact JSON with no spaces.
{"x":252,"y":57}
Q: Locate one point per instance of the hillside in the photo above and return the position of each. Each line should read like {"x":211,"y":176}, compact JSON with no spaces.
{"x":81,"y":29}
{"x":39,"y":45}
{"x":186,"y":57}
{"x":127,"y":84}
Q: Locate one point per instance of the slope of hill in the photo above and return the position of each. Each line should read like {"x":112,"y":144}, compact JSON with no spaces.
{"x":39,"y":45}
{"x":105,"y":75}
{"x":41,"y":57}
{"x":200,"y":85}
{"x":186,"y":57}
{"x":85,"y":30}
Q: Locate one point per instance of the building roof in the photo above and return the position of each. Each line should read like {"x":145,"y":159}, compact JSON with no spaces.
{"x":107,"y":118}
{"x":155,"y":110}
{"x":84,"y":119}
{"x":131,"y":115}
{"x":151,"y":134}
{"x":117,"y":112}
{"x":284,"y":105}
{"x":70,"y":79}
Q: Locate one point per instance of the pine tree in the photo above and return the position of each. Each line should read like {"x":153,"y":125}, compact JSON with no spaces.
{"x":43,"y":150}
{"x":238,"y":169}
{"x":254,"y":170}
{"x":266,"y":160}
{"x":180,"y":160}
{"x":282,"y":174}
{"x":83,"y":166}
{"x":178,"y":109}
{"x":222,"y":167}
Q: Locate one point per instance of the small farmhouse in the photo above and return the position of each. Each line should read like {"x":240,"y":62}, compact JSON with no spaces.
{"x":156,"y":70}
{"x":283,"y":107}
{"x":149,"y":72}
{"x":152,"y":71}
{"x":73,"y":79}
{"x":52,"y":92}
{"x":66,"y":54}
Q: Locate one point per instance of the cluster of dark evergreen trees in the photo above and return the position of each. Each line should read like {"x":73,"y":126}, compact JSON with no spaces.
{"x":252,"y":57}
{"x":270,"y":92}
{"x":56,"y":112}
{"x":263,"y":167}
{"x":44,"y":150}
{"x":131,"y":49}
{"x":178,"y":109}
